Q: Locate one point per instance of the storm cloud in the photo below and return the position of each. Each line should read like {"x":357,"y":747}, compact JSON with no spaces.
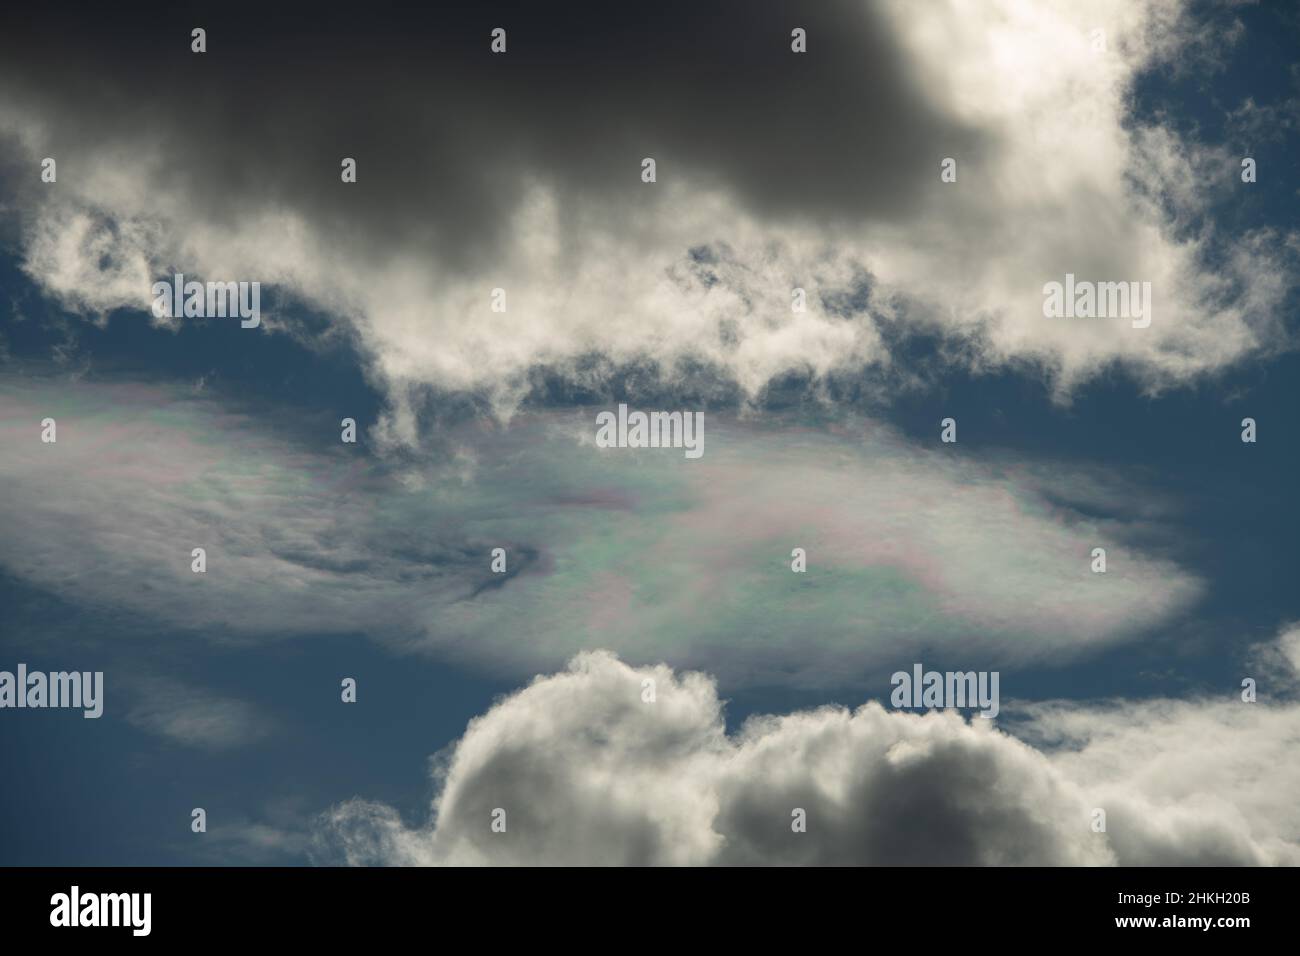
{"x":519,"y":171}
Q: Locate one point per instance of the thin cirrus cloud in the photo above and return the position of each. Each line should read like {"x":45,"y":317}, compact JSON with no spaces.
{"x":192,"y":716}
{"x":834,"y":189}
{"x":587,"y":771}
{"x":641,"y":552}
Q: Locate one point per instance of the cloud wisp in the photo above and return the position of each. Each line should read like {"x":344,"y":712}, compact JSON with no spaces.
{"x":908,"y":549}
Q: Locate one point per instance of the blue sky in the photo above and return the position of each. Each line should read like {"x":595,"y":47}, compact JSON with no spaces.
{"x":371,"y":560}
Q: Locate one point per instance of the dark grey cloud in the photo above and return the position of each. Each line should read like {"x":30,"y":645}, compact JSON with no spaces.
{"x":522,"y":171}
{"x":447,"y":135}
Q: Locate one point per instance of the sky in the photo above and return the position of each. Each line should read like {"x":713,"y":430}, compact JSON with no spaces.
{"x":650,"y":679}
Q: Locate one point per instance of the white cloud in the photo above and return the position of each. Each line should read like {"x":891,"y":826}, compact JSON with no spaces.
{"x":1188,"y":781}
{"x":643,"y":552}
{"x":1066,"y":184}
{"x":587,"y":772}
{"x":590,"y":773}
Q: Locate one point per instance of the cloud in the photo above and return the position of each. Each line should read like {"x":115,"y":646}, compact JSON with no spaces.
{"x":1164,"y":767}
{"x":1281,"y":657}
{"x":696,"y":88}
{"x":589,"y":772}
{"x":277,"y":833}
{"x":193,"y":716}
{"x":776,"y":170}
{"x":911,"y":549}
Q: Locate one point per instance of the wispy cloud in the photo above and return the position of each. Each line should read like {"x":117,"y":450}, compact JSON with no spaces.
{"x":193,"y":716}
{"x":639,"y":551}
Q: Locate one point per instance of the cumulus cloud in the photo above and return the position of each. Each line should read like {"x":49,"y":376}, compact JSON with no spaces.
{"x":910,"y":549}
{"x":776,"y":170}
{"x":1187,"y":782}
{"x":588,"y":772}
